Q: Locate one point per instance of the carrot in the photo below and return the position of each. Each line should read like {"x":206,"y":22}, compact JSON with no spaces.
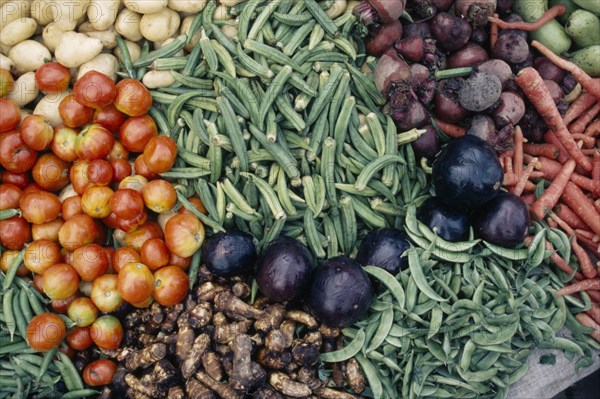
{"x":594,"y":296}
{"x":551,"y":195}
{"x":449,"y":129}
{"x":585,"y":118}
{"x":570,"y":218}
{"x":590,"y":245}
{"x":548,"y":16}
{"x":590,"y":85}
{"x":544,"y":150}
{"x":529,"y":187}
{"x":593,"y":129}
{"x":551,"y":168}
{"x":596,"y":173}
{"x":588,"y":142}
{"x":581,"y":104}
{"x":518,"y":157}
{"x":584,"y":233}
{"x":524,"y":178}
{"x":582,"y":206}
{"x":584,"y":285}
{"x":510,"y":179}
{"x":493,"y":32}
{"x":508,"y":165}
{"x":587,"y":321}
{"x":594,"y":312}
{"x":529,"y":199}
{"x":527,"y":158}
{"x":536,"y":174}
{"x":552,"y":138}
{"x":561,"y":263}
{"x":597,"y":205}
{"x":583,"y":182}
{"x":585,"y":263}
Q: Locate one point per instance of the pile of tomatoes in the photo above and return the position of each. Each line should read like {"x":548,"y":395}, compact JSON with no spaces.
{"x":69,"y":191}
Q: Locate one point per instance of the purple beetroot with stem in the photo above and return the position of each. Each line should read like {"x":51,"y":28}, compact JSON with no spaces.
{"x":475,"y":11}
{"x":383,"y":38}
{"x":379,"y":11}
{"x":450,"y":32}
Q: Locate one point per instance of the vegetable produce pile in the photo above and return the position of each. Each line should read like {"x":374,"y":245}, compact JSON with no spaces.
{"x":400,"y":199}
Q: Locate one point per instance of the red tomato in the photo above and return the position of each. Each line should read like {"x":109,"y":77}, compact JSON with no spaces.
{"x":61,"y":305}
{"x":154,"y":254}
{"x":159,"y":195}
{"x":60,"y":281}
{"x":135,"y":282}
{"x":95,"y":201}
{"x":90,"y":261}
{"x":133,"y":98}
{"x":139,"y":236}
{"x":109,"y":117}
{"x":77,"y":232}
{"x":63,"y":145}
{"x":52,"y":77}
{"x":118,"y":151}
{"x":40,"y":207}
{"x":73,"y":113}
{"x":105,"y":293}
{"x":50,"y":172}
{"x":79,"y":338}
{"x":71,"y":207}
{"x":20,"y":180}
{"x":82,"y":311}
{"x":41,"y":254}
{"x":100,"y":172}
{"x":15,"y":156}
{"x":79,"y":177}
{"x":134,"y":182}
{"x":197,"y":203}
{"x":171,"y":285}
{"x":45,"y":331}
{"x":47,"y":231}
{"x":183,"y":263}
{"x":136,"y":132}
{"x":127,"y":203}
{"x":10,"y":115}
{"x":160,"y":154}
{"x":10,"y":195}
{"x":37,"y":283}
{"x":121,"y":169}
{"x":94,"y":142}
{"x":184,"y":235}
{"x":124,"y":255}
{"x":36,"y":133}
{"x":140,"y":168}
{"x":107,"y":332}
{"x":95,"y":90}
{"x":109,"y":253}
{"x":99,"y":372}
{"x":129,"y":225}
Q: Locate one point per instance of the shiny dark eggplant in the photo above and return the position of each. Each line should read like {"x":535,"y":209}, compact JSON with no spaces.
{"x":448,"y":223}
{"x":229,"y":254}
{"x":384,"y":248}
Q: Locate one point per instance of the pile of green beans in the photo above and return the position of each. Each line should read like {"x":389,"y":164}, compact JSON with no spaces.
{"x":24,"y":372}
{"x":461,"y":321}
{"x":279,"y":129}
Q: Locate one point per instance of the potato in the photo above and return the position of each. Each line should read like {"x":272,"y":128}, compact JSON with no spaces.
{"x":28,"y":56}
{"x":25,"y":89}
{"x":6,"y":63}
{"x":108,"y":37}
{"x":146,"y":6}
{"x":17,"y":31}
{"x":231,"y":31}
{"x":127,"y":25}
{"x":52,"y":35}
{"x":222,"y":13}
{"x":103,"y":13}
{"x":230,"y":3}
{"x":41,"y":11}
{"x":134,"y":51}
{"x":160,"y":26}
{"x":48,"y":107}
{"x":104,"y":63}
{"x":75,"y":49}
{"x":185,"y":27}
{"x":156,"y":79}
{"x":13,"y":10}
{"x":191,"y":6}
{"x":67,"y":13}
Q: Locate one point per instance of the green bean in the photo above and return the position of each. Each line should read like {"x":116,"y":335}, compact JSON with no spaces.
{"x":7,"y":308}
{"x":372,"y":376}
{"x":19,"y":316}
{"x":80,"y":393}
{"x":419,"y":277}
{"x":458,"y":257}
{"x":12,"y":271}
{"x":385,"y":324}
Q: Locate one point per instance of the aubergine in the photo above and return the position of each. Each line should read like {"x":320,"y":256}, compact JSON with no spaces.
{"x":384,"y":248}
{"x":467,"y":173}
{"x":340,"y":293}
{"x":448,"y":223}
{"x":228,"y":254}
{"x":503,"y":221}
{"x":283,"y":271}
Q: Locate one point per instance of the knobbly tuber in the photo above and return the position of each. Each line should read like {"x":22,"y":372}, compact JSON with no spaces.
{"x":284,"y":384}
{"x":145,"y":357}
{"x":200,"y":315}
{"x":185,"y":338}
{"x":146,"y":389}
{"x":354,"y":376}
{"x":246,"y":374}
{"x":223,"y":390}
{"x":234,"y":307}
{"x":195,"y":389}
{"x":194,"y":357}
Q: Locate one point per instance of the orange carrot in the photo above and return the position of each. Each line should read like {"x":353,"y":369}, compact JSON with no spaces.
{"x":584,"y":285}
{"x":594,"y":312}
{"x":589,"y":245}
{"x":588,"y":141}
{"x":552,"y":138}
{"x":561,"y":263}
{"x":588,"y":84}
{"x":594,"y":296}
{"x":527,"y":158}
{"x":493,"y":32}
{"x":580,"y":124}
{"x":589,"y":322}
{"x":524,"y":178}
{"x":548,"y":16}
{"x":536,"y":174}
{"x":593,"y":129}
{"x":518,"y":157}
{"x":508,"y":165}
{"x":510,"y":179}
{"x":585,"y":263}
{"x":570,"y":218}
{"x":542,"y":150}
{"x":597,"y":204}
{"x":529,"y":187}
{"x":551,"y":168}
{"x":582,"y":206}
{"x":583,"y":182}
{"x":529,"y":199}
{"x":551,"y":195}
{"x":578,"y":107}
{"x":584,"y":233}
{"x":596,"y":173}
{"x":449,"y":129}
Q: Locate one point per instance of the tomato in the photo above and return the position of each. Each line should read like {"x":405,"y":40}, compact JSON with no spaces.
{"x":50,"y":172}
{"x":160,"y":154}
{"x":10,"y":195}
{"x":40,"y":206}
{"x":109,"y":117}
{"x":159,"y":195}
{"x":60,"y":281}
{"x":7,"y":83}
{"x":105,"y":293}
{"x":133,"y":98}
{"x":31,"y":188}
{"x":171,"y":285}
{"x":197,"y":203}
{"x":100,"y":172}
{"x":107,"y":332}
{"x":184,"y":234}
{"x":6,"y":260}
{"x":136,"y":132}
{"x":135,"y":282}
{"x":118,"y":151}
{"x":182,"y":263}
{"x":143,"y":304}
{"x":15,"y":156}
{"x":124,"y":255}
{"x":52,"y":77}
{"x":146,"y":231}
{"x":47,"y":231}
{"x":90,"y":261}
{"x":99,"y":372}
{"x":78,"y":176}
{"x":94,"y":142}
{"x":37,"y":283}
{"x":121,"y":169}
{"x":20,"y":180}
{"x":129,"y":225}
{"x":62,"y":305}
{"x":10,"y":115}
{"x":63,"y":144}
{"x":45,"y":331}
{"x":109,"y":253}
{"x":95,"y":202}
{"x":73,"y":113}
{"x":95,"y":90}
{"x":82,"y":311}
{"x":79,"y":338}
{"x":154,"y":254}
{"x":77,"y":232}
{"x":140,"y":168}
{"x":127,"y":203}
{"x":41,"y":254}
{"x":71,"y":207}
{"x":135,"y":182}
{"x":36,"y":133}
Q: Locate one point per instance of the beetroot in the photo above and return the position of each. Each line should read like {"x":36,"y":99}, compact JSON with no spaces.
{"x":379,"y":11}
{"x":383,"y":38}
{"x":469,"y":55}
{"x":475,"y":11}
{"x":447,"y":106}
{"x":450,"y":32}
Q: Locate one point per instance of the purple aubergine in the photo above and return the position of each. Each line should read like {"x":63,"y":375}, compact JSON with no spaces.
{"x":428,"y":144}
{"x":446,"y":222}
{"x":467,"y":173}
{"x":450,"y":32}
{"x":284,"y":268}
{"x":340,"y":292}
{"x":384,"y":248}
{"x":503,"y":221}
{"x":229,"y":254}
